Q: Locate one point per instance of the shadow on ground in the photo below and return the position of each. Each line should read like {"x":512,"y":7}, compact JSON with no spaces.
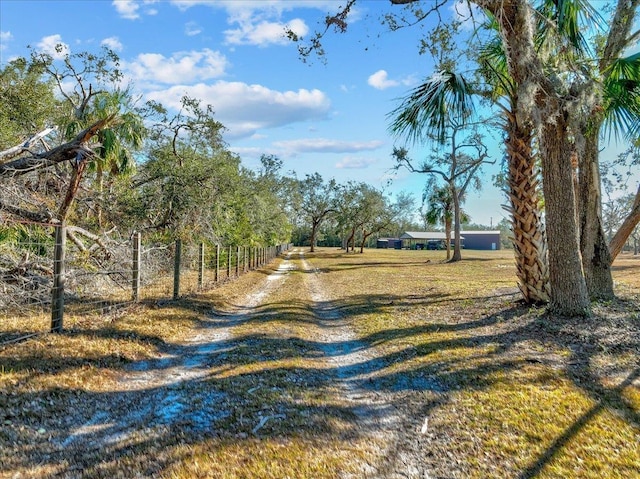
{"x":223,"y":390}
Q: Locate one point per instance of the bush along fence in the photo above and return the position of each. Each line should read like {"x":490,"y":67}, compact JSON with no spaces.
{"x":48,"y":272}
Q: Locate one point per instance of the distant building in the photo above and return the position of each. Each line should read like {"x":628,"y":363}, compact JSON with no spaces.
{"x":482,"y":240}
{"x":424,"y":239}
{"x":391,"y":243}
{"x":486,"y":240}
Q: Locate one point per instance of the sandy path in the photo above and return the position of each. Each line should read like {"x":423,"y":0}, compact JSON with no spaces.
{"x":154,"y":395}
{"x":380,"y":414}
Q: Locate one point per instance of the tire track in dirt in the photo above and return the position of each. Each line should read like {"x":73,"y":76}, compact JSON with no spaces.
{"x":154,"y":393}
{"x":379,"y":414}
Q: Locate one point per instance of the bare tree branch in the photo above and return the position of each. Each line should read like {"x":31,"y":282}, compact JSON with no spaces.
{"x":625,"y":230}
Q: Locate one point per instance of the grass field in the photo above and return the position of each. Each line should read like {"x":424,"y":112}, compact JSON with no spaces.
{"x":487,"y":387}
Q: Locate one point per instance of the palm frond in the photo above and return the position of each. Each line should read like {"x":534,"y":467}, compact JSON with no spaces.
{"x":431,"y":107}
{"x":567,"y":18}
{"x":622,"y":93}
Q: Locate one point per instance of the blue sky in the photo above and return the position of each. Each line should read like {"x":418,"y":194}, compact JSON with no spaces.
{"x":327,"y":117}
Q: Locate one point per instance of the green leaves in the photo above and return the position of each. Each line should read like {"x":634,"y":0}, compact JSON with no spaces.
{"x":622,"y":97}
{"x":431,"y":107}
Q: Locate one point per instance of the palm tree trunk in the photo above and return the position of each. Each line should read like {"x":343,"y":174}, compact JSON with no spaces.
{"x":529,"y":235}
{"x":100,"y":187}
{"x":569,"y":296}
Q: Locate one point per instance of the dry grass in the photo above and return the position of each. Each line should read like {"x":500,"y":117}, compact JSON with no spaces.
{"x":524,"y":394}
{"x":508,"y":391}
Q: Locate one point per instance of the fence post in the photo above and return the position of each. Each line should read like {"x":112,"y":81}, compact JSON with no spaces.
{"x":246,"y":258}
{"x":201,"y":266}
{"x":135,"y":281}
{"x":229,"y":263}
{"x":57,"y":292}
{"x":237,"y":261}
{"x":176,"y":269}
{"x":217,"y":276}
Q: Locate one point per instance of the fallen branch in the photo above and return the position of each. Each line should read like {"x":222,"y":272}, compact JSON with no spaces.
{"x":263,"y":421}
{"x":24,"y":147}
{"x":38,"y":217}
{"x":76,"y":148}
{"x":71,"y":234}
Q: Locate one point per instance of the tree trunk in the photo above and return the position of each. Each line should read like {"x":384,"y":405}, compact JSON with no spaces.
{"x":568,"y":288}
{"x":447,"y":235}
{"x":72,"y":189}
{"x":569,"y":296}
{"x":350,"y":239}
{"x":529,"y":235}
{"x":100,"y":187}
{"x":596,"y":259}
{"x":314,"y":232}
{"x":365,"y":237}
{"x":457,"y":254}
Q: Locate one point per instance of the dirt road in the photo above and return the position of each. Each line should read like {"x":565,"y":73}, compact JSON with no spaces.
{"x":281,"y":372}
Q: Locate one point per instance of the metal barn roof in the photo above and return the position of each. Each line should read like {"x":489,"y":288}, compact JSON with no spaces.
{"x":439,"y":235}
{"x":424,"y":235}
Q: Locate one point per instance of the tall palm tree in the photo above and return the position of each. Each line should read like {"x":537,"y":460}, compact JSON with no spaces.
{"x":523,"y":176}
{"x":447,"y":93}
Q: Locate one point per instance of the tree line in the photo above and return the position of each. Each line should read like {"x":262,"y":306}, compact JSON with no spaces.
{"x":78,"y":147}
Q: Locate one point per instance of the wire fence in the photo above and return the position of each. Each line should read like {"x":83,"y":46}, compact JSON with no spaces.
{"x":51,"y":275}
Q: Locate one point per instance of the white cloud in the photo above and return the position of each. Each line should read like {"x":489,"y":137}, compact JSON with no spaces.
{"x":129,"y":9}
{"x":113,"y":43}
{"x":181,"y":67}
{"x":54,"y":46}
{"x":380,"y":80}
{"x":191,"y":29}
{"x":260,"y":22}
{"x":5,"y":37}
{"x":264,"y":33}
{"x":324,"y":145}
{"x":244,"y":109}
{"x":354,"y":162}
{"x":410,"y":80}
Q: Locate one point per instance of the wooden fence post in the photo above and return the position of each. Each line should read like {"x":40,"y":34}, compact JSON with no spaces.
{"x":237,"y":261}
{"x":57,"y":292}
{"x":229,"y":263}
{"x":135,"y":280}
{"x":176,"y":269}
{"x":201,"y":266}
{"x":217,"y":275}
